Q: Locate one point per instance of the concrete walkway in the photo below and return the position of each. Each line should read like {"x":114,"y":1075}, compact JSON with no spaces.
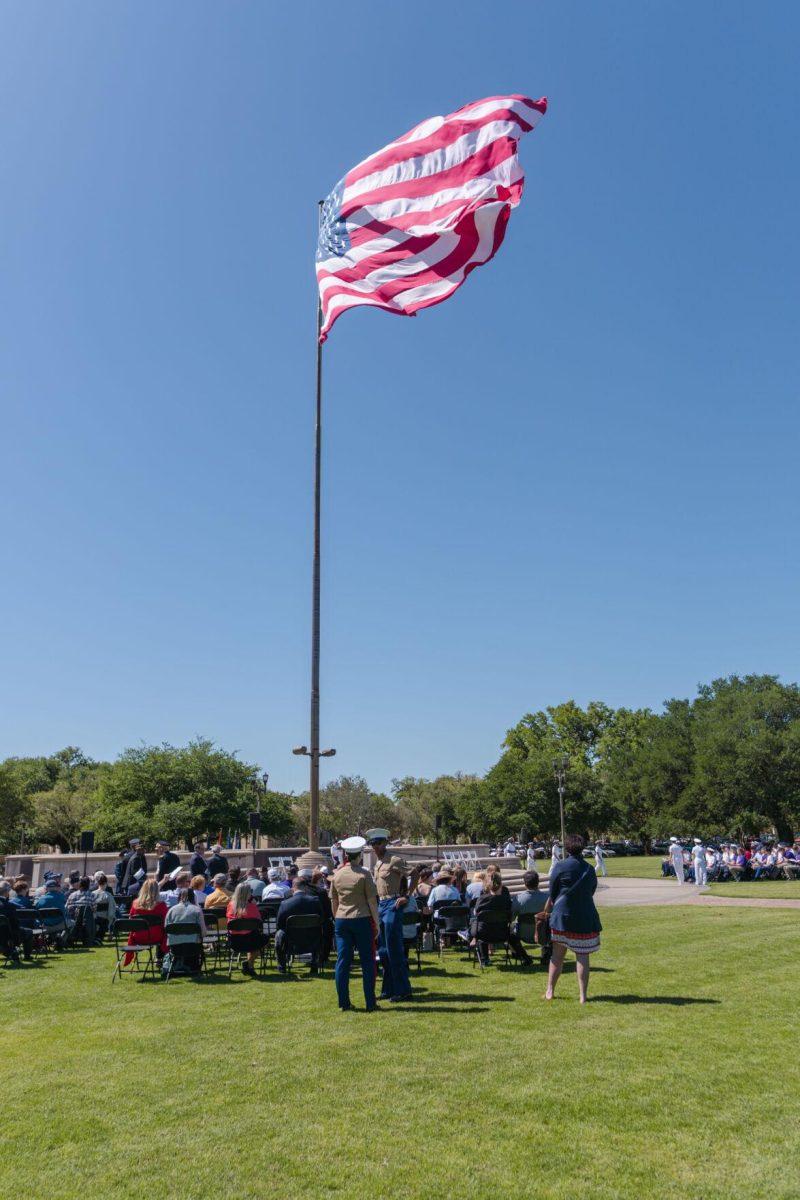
{"x":615,"y":890}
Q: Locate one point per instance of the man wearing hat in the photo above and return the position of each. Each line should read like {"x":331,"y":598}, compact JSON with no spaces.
{"x":389,"y":873}
{"x":699,"y":863}
{"x":355,"y":910}
{"x":168,"y":860}
{"x":275,"y":889}
{"x":676,"y":858}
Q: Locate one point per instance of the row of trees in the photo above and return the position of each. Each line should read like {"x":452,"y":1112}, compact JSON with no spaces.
{"x":726,"y":762}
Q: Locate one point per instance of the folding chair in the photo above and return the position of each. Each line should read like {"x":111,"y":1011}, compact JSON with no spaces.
{"x":216,"y":939}
{"x":304,"y":936}
{"x":238,"y":929}
{"x":27,"y":919}
{"x":269,"y":919}
{"x":413,"y":920}
{"x":451,"y":920}
{"x":179,"y":951}
{"x":54,"y":927}
{"x":493,"y":930}
{"x":122,"y":928}
{"x":8,"y":951}
{"x":535,"y":933}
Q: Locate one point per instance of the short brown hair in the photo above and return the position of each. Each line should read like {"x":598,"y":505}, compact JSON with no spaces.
{"x":574,"y":845}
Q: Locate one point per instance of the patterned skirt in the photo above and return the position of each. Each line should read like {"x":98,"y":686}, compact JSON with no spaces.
{"x":581,"y":943}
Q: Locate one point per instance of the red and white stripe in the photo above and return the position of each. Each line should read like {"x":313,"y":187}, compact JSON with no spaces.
{"x":428,"y":208}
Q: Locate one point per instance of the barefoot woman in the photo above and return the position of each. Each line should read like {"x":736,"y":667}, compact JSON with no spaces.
{"x":574,"y":922}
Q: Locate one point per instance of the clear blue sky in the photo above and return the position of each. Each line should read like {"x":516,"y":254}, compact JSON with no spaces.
{"x":576,"y":478}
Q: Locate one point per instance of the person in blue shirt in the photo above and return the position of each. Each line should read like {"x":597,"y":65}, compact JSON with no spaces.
{"x":574,"y":920}
{"x":54,"y":898}
{"x":20,"y":897}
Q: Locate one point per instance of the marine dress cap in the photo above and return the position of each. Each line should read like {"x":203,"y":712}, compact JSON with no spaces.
{"x":377,"y":835}
{"x":354,"y":845}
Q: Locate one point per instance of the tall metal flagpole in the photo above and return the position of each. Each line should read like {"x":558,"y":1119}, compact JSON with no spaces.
{"x":313,"y":819}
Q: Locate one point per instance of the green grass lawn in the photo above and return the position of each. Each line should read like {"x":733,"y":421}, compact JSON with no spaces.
{"x":780,"y":889}
{"x":250,"y":1089}
{"x":648,"y":866}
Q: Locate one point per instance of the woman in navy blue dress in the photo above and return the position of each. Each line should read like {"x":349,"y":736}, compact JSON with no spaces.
{"x":574,"y":921}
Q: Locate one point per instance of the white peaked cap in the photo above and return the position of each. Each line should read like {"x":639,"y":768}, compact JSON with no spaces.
{"x":354,"y":845}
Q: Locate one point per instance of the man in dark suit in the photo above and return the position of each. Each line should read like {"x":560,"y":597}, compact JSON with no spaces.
{"x":197,"y":863}
{"x":304,"y":899}
{"x":168,"y":860}
{"x":134,"y":863}
{"x":218,"y":863}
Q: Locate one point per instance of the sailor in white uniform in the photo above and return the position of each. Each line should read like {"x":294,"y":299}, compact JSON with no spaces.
{"x":555,"y":854}
{"x":599,"y":859}
{"x":676,"y":858}
{"x":699,"y":863}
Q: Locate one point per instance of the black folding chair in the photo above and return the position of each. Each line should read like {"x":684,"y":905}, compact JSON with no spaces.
{"x":29,"y":922}
{"x":269,"y":917}
{"x":185,"y":953}
{"x":8,"y":951}
{"x":215,"y":940}
{"x":240,"y":940}
{"x":122,"y":928}
{"x":535,"y":933}
{"x":304,"y":933}
{"x":413,"y":920}
{"x":451,"y":920}
{"x":492,"y":930}
{"x":54,"y":927}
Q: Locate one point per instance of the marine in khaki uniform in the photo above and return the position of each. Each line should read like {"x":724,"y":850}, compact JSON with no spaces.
{"x":355,"y":914}
{"x":389,"y":870}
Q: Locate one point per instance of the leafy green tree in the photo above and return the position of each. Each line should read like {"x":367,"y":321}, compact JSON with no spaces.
{"x":346,"y":806}
{"x":196,"y":790}
{"x":16,"y":810}
{"x":747,"y":755}
{"x":644,"y":764}
{"x":420,"y":801}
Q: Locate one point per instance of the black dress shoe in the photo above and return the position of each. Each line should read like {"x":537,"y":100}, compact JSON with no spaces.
{"x":373,"y":1008}
{"x":345,"y":1008}
{"x":400,"y":999}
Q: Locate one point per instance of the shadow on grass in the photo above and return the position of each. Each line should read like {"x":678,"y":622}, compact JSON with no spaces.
{"x":629,"y":998}
{"x":416,"y":1007}
{"x":458,"y":998}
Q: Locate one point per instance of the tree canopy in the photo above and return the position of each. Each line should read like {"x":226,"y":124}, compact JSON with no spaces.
{"x":726,"y":762}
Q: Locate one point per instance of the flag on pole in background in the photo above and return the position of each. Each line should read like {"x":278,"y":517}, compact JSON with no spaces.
{"x":405,"y":227}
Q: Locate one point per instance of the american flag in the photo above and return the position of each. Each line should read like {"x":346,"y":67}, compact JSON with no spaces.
{"x":405,"y":227}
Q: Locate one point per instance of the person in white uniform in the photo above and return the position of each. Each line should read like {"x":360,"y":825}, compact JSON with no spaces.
{"x":555,"y":854}
{"x":676,"y":858}
{"x":530,"y":857}
{"x":599,"y":859}
{"x":699,"y":863}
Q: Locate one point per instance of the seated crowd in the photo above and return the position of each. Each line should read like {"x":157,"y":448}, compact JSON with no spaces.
{"x":732,"y":862}
{"x":179,"y":910}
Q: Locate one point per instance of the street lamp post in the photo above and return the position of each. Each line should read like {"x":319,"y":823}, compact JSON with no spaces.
{"x":560,"y":765}
{"x":315,"y":754}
